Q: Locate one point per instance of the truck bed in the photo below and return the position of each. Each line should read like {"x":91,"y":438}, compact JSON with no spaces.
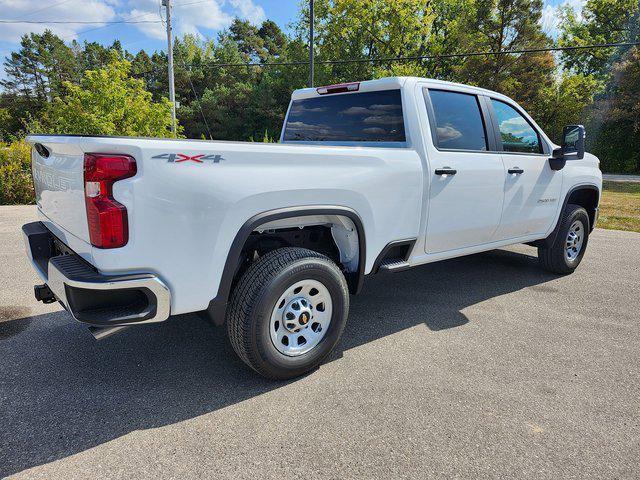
{"x":189,"y":198}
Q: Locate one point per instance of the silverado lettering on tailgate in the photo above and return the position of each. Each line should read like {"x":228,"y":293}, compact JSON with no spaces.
{"x":47,"y":178}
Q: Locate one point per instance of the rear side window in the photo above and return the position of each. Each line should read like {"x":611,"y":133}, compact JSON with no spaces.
{"x":459,"y":124}
{"x":516,"y":133}
{"x":356,"y":117}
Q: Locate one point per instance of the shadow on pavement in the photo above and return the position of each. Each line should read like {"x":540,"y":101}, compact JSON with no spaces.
{"x":62,"y":393}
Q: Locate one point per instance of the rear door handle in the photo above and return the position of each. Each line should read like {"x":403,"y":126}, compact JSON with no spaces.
{"x":517,"y":170}
{"x":446,"y":171}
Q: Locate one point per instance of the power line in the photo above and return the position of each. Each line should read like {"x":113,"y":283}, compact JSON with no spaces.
{"x":79,"y":22}
{"x":427,"y":57}
{"x":193,"y":89}
{"x":392,"y":59}
{"x":107,"y":26}
{"x":190,"y":3}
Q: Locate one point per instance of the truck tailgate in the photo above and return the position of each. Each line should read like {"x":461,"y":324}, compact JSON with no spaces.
{"x":59,"y":183}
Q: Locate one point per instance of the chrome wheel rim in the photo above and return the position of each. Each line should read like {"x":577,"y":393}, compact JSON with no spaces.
{"x":575,"y":239}
{"x":300,"y":318}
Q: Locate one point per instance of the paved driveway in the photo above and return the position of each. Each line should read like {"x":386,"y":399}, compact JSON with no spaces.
{"x":478,"y":367}
{"x":621,"y":178}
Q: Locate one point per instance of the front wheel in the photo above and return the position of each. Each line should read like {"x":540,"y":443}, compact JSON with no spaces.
{"x":288,"y":312}
{"x":567,"y":250}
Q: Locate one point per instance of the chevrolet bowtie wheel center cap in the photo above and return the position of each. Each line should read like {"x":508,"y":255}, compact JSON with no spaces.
{"x":297,"y":314}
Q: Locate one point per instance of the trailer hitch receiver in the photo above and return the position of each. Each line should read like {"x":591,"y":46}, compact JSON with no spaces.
{"x":43,"y":293}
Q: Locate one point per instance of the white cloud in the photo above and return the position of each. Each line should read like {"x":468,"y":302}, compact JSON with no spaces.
{"x":357,"y":111}
{"x":68,"y":11}
{"x":550,"y":19}
{"x":383,"y":119}
{"x":515,"y":125}
{"x":189,"y":16}
{"x":145,"y":11}
{"x":374,"y":110}
{"x":448,"y":133}
{"x":374,"y":131}
{"x":249,"y":10}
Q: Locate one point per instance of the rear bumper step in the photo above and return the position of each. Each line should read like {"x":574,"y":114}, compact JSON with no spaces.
{"x":91,"y":297}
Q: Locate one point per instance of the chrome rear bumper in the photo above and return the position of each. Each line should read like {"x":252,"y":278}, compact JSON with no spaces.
{"x":91,"y":297}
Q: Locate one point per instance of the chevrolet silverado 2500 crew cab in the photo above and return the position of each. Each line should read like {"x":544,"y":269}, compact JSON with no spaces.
{"x":270,"y":240}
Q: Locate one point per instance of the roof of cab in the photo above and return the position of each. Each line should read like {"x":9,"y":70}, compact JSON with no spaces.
{"x":389,"y":83}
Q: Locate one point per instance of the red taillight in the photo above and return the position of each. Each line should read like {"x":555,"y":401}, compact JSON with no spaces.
{"x":108,"y":225}
{"x":340,"y":88}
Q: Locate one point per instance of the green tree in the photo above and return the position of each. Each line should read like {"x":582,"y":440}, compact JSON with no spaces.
{"x":499,"y":25}
{"x":33,"y":75}
{"x":108,"y":102}
{"x":611,"y":118}
{"x":370,"y":29}
{"x":566,"y":102}
{"x":274,"y":40}
{"x":39,"y":68}
{"x":92,"y":55}
{"x":601,"y":21}
{"x":247,"y":38}
{"x":615,"y":124}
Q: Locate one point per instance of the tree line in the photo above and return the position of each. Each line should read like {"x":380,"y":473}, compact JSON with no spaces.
{"x":53,"y":86}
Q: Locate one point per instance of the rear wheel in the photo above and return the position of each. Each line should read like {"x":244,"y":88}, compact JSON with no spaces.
{"x":288,"y":312}
{"x":570,"y":243}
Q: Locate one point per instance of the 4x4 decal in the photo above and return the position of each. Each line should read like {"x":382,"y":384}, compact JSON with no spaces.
{"x":181,"y":157}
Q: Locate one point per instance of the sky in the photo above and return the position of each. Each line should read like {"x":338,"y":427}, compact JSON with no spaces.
{"x":203,"y":17}
{"x":206,"y":17}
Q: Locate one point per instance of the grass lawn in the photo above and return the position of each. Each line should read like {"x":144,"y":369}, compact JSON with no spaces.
{"x":620,"y":206}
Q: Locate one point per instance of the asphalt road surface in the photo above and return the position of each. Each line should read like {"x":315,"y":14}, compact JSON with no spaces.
{"x":621,"y":178}
{"x":479,"y":367}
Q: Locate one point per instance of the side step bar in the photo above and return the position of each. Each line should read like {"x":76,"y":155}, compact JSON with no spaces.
{"x":396,"y":266}
{"x":100,"y":333}
{"x":393,"y":257}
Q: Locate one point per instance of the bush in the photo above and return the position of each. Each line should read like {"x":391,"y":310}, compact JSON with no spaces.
{"x":108,"y":101}
{"x":16,"y":186}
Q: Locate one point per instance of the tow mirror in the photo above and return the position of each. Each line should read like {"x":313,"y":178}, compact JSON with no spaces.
{"x":573,"y":142}
{"x":572,"y":147}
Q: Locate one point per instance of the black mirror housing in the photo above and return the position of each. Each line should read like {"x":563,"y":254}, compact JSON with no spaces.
{"x":557,"y":160}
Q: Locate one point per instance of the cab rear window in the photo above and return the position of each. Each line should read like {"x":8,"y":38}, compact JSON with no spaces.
{"x":356,"y":117}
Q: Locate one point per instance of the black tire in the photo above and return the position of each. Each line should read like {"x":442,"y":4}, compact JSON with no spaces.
{"x":554,"y":258}
{"x":254,"y":298}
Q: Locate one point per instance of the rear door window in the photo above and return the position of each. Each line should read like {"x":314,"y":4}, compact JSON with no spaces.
{"x":356,"y":117}
{"x":516,"y":132}
{"x":458,"y":120}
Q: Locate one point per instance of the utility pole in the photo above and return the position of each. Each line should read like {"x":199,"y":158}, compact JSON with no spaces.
{"x":311,"y":41}
{"x":172,"y":88}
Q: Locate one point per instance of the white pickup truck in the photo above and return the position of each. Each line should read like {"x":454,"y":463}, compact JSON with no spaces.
{"x":270,"y":239}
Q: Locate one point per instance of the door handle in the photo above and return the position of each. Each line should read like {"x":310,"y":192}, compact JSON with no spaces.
{"x":516,"y":170}
{"x":446,"y":171}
